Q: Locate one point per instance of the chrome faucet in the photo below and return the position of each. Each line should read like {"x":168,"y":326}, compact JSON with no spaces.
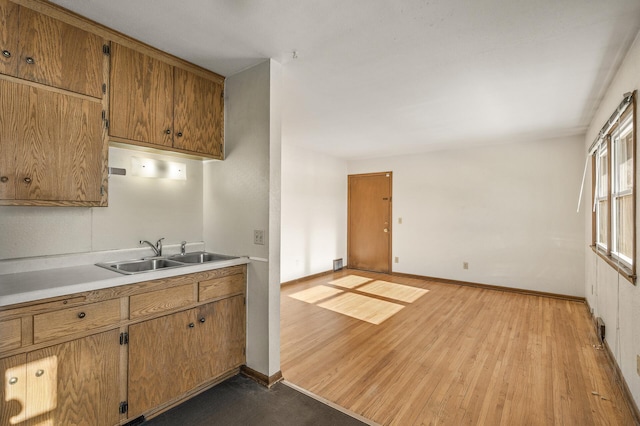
{"x":157,"y":249}
{"x":183,"y":247}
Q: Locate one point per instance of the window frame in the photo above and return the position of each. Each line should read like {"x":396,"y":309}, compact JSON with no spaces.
{"x":625,"y":265}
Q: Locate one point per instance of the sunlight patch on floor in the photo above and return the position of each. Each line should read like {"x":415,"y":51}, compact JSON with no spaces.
{"x":361,"y":307}
{"x":402,"y":293}
{"x":350,"y":281}
{"x":316,"y":294}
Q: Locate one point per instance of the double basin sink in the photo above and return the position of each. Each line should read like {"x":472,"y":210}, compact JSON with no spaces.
{"x":155,"y":263}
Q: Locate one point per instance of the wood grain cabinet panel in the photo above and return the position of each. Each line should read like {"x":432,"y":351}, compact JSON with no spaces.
{"x":11,"y":332}
{"x":198,"y":114}
{"x":141,"y":97}
{"x":220,"y":287}
{"x":60,"y":152}
{"x":57,"y":54}
{"x":65,"y":322}
{"x":9,"y":37}
{"x":72,"y":383}
{"x":9,"y":136}
{"x":155,"y":302}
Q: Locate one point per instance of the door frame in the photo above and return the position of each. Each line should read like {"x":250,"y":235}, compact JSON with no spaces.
{"x":387,"y":173}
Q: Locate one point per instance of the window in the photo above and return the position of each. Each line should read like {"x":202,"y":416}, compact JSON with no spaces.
{"x":614,"y":190}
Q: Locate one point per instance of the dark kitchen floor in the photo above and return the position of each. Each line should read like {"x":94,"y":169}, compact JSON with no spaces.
{"x":241,"y":401}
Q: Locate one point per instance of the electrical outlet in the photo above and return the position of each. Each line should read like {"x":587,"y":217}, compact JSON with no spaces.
{"x":258,"y":237}
{"x":465,"y":265}
{"x":400,"y":221}
{"x":397,"y":259}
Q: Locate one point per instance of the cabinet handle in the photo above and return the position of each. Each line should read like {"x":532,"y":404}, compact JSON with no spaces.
{"x":27,"y":180}
{"x":6,"y":54}
{"x":39,"y":373}
{"x":13,"y":380}
{"x":203,"y":319}
{"x":4,"y":179}
{"x":191,"y":325}
{"x":82,"y":315}
{"x":30,"y":60}
{"x":179,"y":134}
{"x":168,"y":131}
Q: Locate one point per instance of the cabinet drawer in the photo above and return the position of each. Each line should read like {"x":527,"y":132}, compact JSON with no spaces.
{"x":220,"y":287}
{"x":73,"y":320}
{"x":11,"y":332}
{"x":159,"y":301}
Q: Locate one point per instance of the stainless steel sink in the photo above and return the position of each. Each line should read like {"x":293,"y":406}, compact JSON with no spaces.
{"x":139,"y":266}
{"x":201,"y":257}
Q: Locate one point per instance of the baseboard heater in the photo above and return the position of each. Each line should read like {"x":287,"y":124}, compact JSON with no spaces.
{"x":600,"y":329}
{"x":337,"y":265}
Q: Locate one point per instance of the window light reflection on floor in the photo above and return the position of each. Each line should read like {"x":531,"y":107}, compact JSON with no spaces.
{"x":353,"y":303}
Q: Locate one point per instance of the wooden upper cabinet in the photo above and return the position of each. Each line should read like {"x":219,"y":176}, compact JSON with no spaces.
{"x":8,"y":37}
{"x":9,"y":101}
{"x":141,"y":101}
{"x":153,"y":103}
{"x":198,"y":114}
{"x":60,"y":151}
{"x":60,"y":55}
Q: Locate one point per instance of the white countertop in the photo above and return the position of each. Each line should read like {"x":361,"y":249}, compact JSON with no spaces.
{"x":29,"y":286}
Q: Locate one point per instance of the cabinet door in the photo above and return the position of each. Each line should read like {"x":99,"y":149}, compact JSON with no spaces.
{"x":141,"y":103}
{"x":60,"y":155}
{"x":9,"y":100}
{"x":8,"y":37}
{"x":198,"y":114}
{"x":13,"y":391}
{"x":160,"y":360}
{"x":57,"y":54}
{"x":221,"y":328}
{"x":75,"y":382}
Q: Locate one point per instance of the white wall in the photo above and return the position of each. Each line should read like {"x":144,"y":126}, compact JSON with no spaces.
{"x":610,"y":296}
{"x":508,"y":210}
{"x":314,"y":212}
{"x":242,"y":194}
{"x":139,"y":209}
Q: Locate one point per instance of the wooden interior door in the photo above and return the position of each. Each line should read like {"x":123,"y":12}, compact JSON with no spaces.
{"x":198,"y":113}
{"x":369,"y":223}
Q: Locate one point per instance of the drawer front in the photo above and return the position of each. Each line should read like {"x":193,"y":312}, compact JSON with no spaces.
{"x":61,"y":323}
{"x":221,"y":287}
{"x":11,"y":332}
{"x":159,"y":301}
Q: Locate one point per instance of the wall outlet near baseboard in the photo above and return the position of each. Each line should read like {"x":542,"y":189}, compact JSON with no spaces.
{"x":465,"y":265}
{"x":397,"y":259}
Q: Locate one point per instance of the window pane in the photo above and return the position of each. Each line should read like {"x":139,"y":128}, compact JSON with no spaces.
{"x":624,"y":161}
{"x":602,"y":216}
{"x":624,"y":222}
{"x":603,"y":173}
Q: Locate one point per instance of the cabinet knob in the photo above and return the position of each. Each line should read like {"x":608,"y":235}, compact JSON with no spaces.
{"x":4,"y":179}
{"x":191,"y":325}
{"x":13,"y":380}
{"x":6,"y":54}
{"x":203,"y":319}
{"x":30,"y":60}
{"x":179,"y":134}
{"x":82,"y":315}
{"x":27,"y":180}
{"x":168,"y":131}
{"x":39,"y":373}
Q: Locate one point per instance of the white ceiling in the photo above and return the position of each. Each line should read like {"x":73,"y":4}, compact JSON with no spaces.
{"x":380,"y":77}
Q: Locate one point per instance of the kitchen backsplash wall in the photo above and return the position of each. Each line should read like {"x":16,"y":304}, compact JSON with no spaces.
{"x":139,"y":208}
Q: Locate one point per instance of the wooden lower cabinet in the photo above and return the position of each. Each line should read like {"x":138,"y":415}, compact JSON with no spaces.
{"x":71,"y":383}
{"x":171,"y":355}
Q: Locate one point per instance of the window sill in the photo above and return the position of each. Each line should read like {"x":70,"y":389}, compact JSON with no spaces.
{"x":623,"y":270}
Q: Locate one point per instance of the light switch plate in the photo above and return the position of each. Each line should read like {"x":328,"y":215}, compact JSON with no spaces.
{"x":258,"y":237}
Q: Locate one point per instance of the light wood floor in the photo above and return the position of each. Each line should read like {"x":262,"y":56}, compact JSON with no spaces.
{"x":454,"y":356}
